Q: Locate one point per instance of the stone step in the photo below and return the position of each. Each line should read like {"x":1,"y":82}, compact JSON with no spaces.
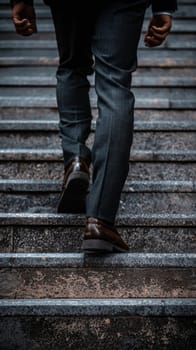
{"x":29,"y":154}
{"x":67,"y":324}
{"x":52,"y":170}
{"x":53,"y":125}
{"x":144,"y":141}
{"x":8,"y":114}
{"x":32,"y":185}
{"x":131,"y":202}
{"x":96,"y":307}
{"x":85,"y":261}
{"x":60,"y":233}
{"x":146,"y":58}
{"x":166,"y":98}
{"x":77,"y":276}
{"x":46,"y":76}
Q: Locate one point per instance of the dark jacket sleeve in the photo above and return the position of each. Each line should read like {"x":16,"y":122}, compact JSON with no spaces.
{"x":12,"y":2}
{"x":164,"y":5}
{"x":157,"y":5}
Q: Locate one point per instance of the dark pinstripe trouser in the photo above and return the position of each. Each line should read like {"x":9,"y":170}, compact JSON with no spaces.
{"x":102,"y":39}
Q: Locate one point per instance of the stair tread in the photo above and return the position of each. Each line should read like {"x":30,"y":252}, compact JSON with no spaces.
{"x":153,"y":172}
{"x":82,"y":275}
{"x":94,"y":307}
{"x":56,"y":155}
{"x":47,"y":114}
{"x":141,"y":219}
{"x":13,"y":125}
{"x":83,"y":260}
{"x":32,"y":185}
{"x":146,"y":202}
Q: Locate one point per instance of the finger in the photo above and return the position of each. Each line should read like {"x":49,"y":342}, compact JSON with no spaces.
{"x":163,"y":29}
{"x":24,"y":27}
{"x":159,"y":36}
{"x":20,"y":22}
{"x":151,"y":42}
{"x":23,"y":24}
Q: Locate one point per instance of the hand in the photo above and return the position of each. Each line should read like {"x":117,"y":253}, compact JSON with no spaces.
{"x":24,"y":19}
{"x":158,"y":30}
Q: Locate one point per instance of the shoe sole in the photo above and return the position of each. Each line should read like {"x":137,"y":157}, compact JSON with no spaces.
{"x":73,"y":197}
{"x":98,"y":245}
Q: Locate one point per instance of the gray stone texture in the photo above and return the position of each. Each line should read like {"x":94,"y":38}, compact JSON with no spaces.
{"x":87,"y":333}
{"x":79,"y":283}
{"x":133,"y":203}
{"x":59,"y":239}
{"x":138,"y":171}
{"x":143,"y":141}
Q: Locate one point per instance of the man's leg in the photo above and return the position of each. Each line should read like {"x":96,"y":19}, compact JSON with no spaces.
{"x":73,"y":33}
{"x":115,"y":42}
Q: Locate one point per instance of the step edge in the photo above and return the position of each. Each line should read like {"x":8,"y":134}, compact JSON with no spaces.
{"x":92,"y":260}
{"x":20,"y":125}
{"x":35,"y":186}
{"x":99,"y":307}
{"x":45,"y":219}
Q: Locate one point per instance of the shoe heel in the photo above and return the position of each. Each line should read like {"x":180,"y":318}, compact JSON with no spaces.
{"x":78,"y":181}
{"x":96,"y":245}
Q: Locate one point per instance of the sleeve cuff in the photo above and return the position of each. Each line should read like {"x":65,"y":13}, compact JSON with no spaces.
{"x":163,"y":13}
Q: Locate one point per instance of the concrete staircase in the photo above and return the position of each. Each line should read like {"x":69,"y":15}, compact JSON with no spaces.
{"x":52,"y":295}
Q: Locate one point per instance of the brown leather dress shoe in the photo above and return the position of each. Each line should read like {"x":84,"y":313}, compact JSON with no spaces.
{"x":101,"y":237}
{"x":75,"y":188}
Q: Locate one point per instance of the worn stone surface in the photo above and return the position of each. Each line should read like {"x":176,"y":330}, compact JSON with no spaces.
{"x":157,"y":203}
{"x":134,"y":203}
{"x":28,"y":170}
{"x":161,"y":171}
{"x":175,"y":307}
{"x":47,"y":239}
{"x":89,"y":282}
{"x":65,"y":239}
{"x":153,"y":141}
{"x":126,"y":220}
{"x":138,"y":171}
{"x":26,"y":113}
{"x":97,"y":260}
{"x":55,"y":154}
{"x":39,"y":186}
{"x":6,"y":239}
{"x":118,"y":333}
